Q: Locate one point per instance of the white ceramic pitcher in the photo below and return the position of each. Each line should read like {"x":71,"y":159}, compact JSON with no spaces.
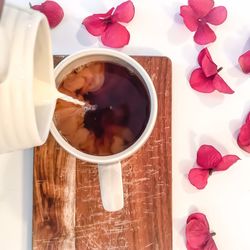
{"x":26,"y":58}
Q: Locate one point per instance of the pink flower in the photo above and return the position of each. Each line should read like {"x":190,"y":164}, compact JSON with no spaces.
{"x":52,"y":10}
{"x":244,"y":61}
{"x":206,"y":78}
{"x":209,"y":160}
{"x":198,"y":236}
{"x":107,"y":25}
{"x":244,"y":135}
{"x":197,"y":14}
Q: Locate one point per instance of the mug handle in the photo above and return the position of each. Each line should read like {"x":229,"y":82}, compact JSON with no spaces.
{"x":110,"y":179}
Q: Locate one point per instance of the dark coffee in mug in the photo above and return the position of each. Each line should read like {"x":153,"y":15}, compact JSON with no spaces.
{"x":117,"y":112}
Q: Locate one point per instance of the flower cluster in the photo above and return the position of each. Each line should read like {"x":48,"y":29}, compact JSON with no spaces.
{"x":209,"y":160}
{"x":206,"y":79}
{"x":196,"y":16}
{"x":107,"y":25}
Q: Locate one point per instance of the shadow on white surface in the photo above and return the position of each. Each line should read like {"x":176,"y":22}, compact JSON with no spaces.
{"x":179,"y":225}
{"x":235,"y":126}
{"x":236,"y":75}
{"x":247,"y":46}
{"x":231,"y":46}
{"x":185,"y":167}
{"x":212,"y":100}
{"x":181,"y":37}
{"x":208,"y":140}
{"x":233,"y":51}
{"x":190,"y":54}
{"x":84,"y":38}
{"x":183,"y":34}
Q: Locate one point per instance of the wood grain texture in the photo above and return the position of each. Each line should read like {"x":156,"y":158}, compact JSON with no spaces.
{"x":67,"y":209}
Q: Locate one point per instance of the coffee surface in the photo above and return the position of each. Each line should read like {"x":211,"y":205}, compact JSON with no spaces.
{"x":121,"y":113}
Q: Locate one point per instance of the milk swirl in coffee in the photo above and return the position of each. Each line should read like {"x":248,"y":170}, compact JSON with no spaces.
{"x":120,"y":114}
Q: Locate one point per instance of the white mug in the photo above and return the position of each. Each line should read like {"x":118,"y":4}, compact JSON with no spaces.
{"x":26,"y":57}
{"x":109,"y":167}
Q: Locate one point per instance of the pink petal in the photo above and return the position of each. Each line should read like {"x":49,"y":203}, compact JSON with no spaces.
{"x":116,"y":36}
{"x":36,"y":7}
{"x":198,"y":177}
{"x":221,"y":85}
{"x":204,"y":34}
{"x":201,"y":7}
{"x":124,"y":12}
{"x":189,"y":17}
{"x":208,"y":66}
{"x":217,"y":15}
{"x":244,"y":61}
{"x":191,"y":248}
{"x":226,"y":162}
{"x":106,"y":15}
{"x":245,"y":148}
{"x":202,"y":54}
{"x":248,"y":118}
{"x":199,"y":82}
{"x":210,"y":245}
{"x":243,"y":139}
{"x":244,"y":135}
{"x":208,"y":157}
{"x":96,"y":23}
{"x":197,"y":232}
{"x":198,"y":216}
{"x":52,"y":10}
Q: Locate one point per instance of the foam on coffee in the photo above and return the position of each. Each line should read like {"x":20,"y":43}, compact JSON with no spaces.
{"x":121,"y":113}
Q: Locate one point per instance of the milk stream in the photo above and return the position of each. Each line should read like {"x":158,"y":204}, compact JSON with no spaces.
{"x":70,"y":99}
{"x":45,"y":93}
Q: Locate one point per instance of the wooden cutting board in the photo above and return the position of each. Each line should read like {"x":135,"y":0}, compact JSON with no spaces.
{"x":67,"y":208}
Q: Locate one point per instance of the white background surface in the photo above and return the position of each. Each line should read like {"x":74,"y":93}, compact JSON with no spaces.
{"x":197,"y":119}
